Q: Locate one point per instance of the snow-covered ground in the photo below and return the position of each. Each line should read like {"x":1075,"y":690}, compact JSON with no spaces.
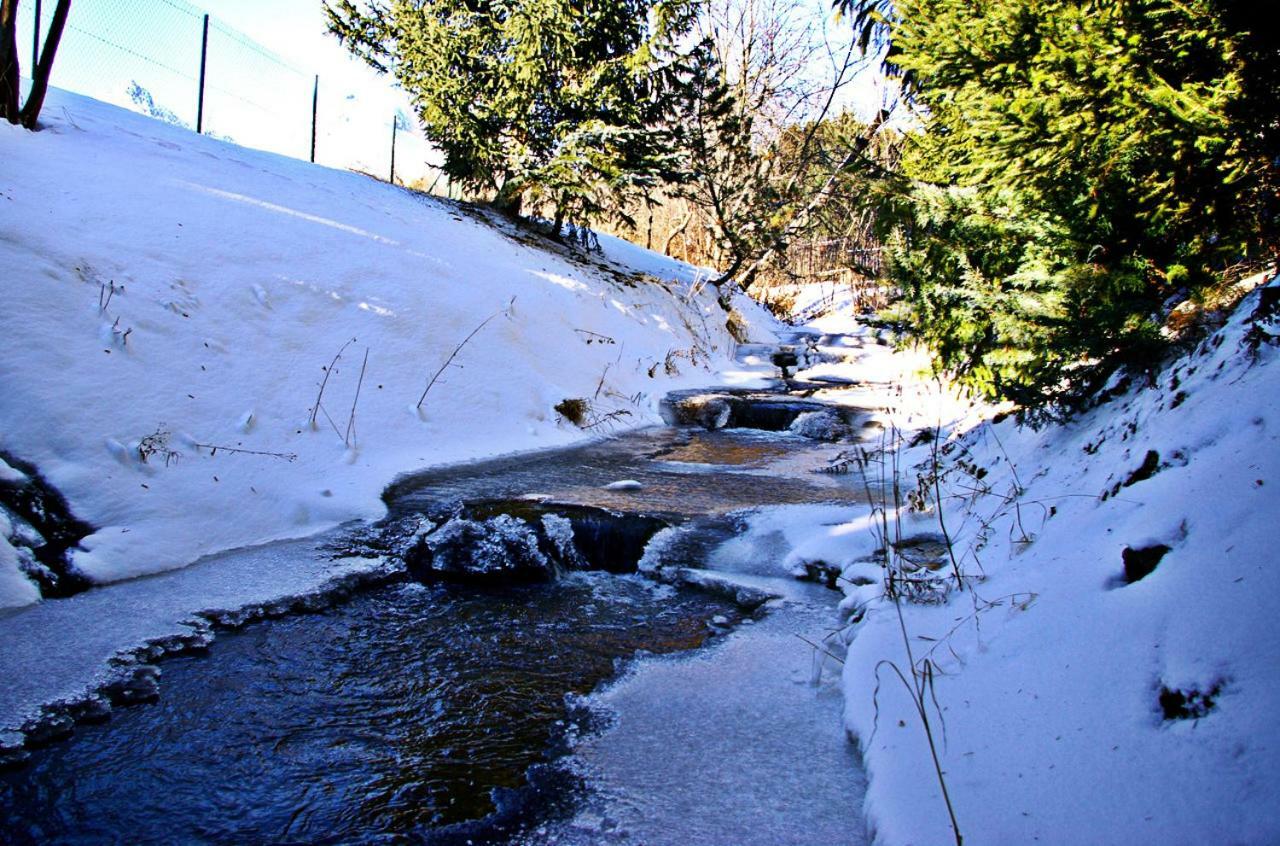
{"x":1068,"y":703}
{"x":166,"y":294}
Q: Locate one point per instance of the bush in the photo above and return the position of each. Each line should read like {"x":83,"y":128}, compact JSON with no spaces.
{"x":1081,"y":165}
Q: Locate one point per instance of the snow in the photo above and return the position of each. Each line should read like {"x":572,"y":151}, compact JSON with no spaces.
{"x":15,"y":588}
{"x":9,"y":474}
{"x":1050,"y":672}
{"x":173,"y":304}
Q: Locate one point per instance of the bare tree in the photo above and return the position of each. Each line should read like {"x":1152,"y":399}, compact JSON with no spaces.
{"x":11,"y":107}
{"x":760,"y":174}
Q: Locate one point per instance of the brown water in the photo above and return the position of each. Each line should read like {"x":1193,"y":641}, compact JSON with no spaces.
{"x":683,"y":473}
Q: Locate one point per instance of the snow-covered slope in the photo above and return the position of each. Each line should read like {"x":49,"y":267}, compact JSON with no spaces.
{"x":166,"y":293}
{"x":1077,"y":700}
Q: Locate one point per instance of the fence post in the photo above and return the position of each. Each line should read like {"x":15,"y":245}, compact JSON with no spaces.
{"x":204,"y":56}
{"x":35,"y":39}
{"x":395,"y":124}
{"x":315,"y":99}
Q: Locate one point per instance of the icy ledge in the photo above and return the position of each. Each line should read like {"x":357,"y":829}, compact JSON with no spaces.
{"x":72,"y":660}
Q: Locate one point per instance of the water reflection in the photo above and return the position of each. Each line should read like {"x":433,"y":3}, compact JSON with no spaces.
{"x":396,"y":716}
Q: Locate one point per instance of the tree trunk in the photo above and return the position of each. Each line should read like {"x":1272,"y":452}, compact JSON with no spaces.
{"x":778,"y":243}
{"x":557,"y":225}
{"x":508,"y":199}
{"x":9,"y":70}
{"x":40,"y":76}
{"x":675,"y":233}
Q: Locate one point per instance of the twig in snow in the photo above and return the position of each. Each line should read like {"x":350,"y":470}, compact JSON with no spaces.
{"x":818,"y":648}
{"x":325,"y":381}
{"x":600,"y":384}
{"x":922,"y":691}
{"x":351,"y":421}
{"x":213,"y":450}
{"x":458,"y":349}
{"x":590,"y":337}
{"x":157,"y":443}
{"x":937,"y":495}
{"x":121,"y":335}
{"x":609,"y":419}
{"x":105,"y":292}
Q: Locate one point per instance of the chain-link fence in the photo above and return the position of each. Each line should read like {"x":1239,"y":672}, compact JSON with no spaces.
{"x":179,"y":64}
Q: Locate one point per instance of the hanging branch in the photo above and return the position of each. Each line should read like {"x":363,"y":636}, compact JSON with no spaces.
{"x":458,"y":349}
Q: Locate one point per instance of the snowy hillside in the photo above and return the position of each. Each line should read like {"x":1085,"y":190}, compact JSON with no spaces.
{"x":207,"y":347}
{"x":166,"y":294}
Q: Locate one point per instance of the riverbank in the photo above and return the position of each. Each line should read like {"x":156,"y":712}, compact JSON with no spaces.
{"x":1110,"y":670}
{"x":686,"y":475}
{"x":208,"y":346}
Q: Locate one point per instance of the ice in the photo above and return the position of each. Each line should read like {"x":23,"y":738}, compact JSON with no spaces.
{"x":821,"y":426}
{"x":559,"y":531}
{"x":731,"y":745}
{"x":60,"y":650}
{"x":498,"y":549}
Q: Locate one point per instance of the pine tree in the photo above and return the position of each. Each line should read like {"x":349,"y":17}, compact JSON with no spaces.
{"x":1081,"y":162}
{"x":536,"y":102}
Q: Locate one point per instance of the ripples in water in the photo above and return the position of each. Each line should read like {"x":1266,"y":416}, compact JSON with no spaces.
{"x":410,"y":714}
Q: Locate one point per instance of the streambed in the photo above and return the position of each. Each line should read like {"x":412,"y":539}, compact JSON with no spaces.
{"x":412,"y":711}
{"x":443,"y":713}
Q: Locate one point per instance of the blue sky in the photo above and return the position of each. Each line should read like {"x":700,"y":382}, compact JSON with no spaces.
{"x":263,"y":59}
{"x":262,"y":62}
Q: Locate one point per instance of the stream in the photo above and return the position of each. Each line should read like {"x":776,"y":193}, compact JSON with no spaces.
{"x":597,"y":704}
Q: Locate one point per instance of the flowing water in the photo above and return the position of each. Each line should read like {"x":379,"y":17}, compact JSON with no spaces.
{"x":410,"y":712}
{"x":437,"y":713}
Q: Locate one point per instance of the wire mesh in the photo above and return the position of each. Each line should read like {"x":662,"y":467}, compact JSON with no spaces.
{"x":145,"y":55}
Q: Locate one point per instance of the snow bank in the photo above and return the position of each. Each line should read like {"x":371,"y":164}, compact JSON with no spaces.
{"x":173,"y":304}
{"x":1078,"y":706}
{"x":1113,"y":675}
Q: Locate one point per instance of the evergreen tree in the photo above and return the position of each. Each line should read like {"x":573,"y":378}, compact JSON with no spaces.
{"x":544,"y":102}
{"x":1081,"y":162}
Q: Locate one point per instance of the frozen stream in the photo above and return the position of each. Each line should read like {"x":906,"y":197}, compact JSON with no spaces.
{"x":451,"y":713}
{"x":739,"y":743}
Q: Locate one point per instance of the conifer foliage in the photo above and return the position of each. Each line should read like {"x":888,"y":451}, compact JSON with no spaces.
{"x":1081,"y":164}
{"x":564,"y":104}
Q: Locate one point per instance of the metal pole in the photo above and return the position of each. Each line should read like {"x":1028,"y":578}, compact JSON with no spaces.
{"x":315,"y":99}
{"x":395,"y":123}
{"x":204,"y":58}
{"x":35,"y":39}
